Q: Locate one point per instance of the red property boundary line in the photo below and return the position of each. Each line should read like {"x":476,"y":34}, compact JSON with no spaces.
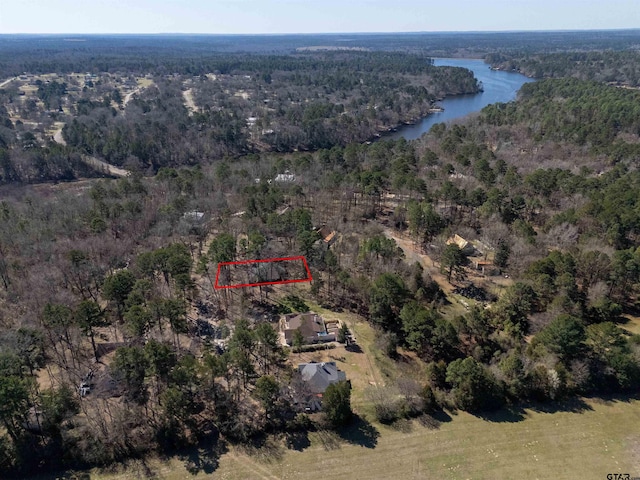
{"x":266,"y":260}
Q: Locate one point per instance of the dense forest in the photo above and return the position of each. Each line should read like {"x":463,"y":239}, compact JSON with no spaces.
{"x":114,"y":343}
{"x":282,"y":103}
{"x":245,"y":104}
{"x":196,"y":54}
{"x":620,"y":67}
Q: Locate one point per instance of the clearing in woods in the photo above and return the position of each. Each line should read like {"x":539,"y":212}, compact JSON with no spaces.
{"x":632,"y":324}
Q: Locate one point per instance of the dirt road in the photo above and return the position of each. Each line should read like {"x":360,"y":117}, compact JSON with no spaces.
{"x":7,"y":82}
{"x":57,"y":137}
{"x":129,"y":96}
{"x":93,"y":161}
{"x":107,"y":167}
{"x":188,"y":101}
{"x":413,"y":254}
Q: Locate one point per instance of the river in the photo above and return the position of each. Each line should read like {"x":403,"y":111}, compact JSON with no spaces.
{"x":498,"y":86}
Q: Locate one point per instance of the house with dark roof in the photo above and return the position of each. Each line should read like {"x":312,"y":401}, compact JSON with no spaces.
{"x":315,"y":378}
{"x":327,"y":235}
{"x":311,"y":325}
{"x":318,"y":376}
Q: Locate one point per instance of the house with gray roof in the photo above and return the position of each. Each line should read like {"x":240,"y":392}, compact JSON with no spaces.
{"x":318,"y":376}
{"x":313,"y":381}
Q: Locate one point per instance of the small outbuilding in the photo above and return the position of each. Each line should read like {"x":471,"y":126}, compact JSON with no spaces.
{"x":286,"y":177}
{"x":464,"y":245}
{"x":327,"y":235}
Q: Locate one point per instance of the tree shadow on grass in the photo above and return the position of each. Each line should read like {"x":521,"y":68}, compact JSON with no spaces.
{"x":614,"y":397}
{"x":402,"y":425}
{"x":432,"y":421}
{"x":264,"y":448}
{"x":571,"y":405}
{"x":517,"y":413}
{"x":353,"y":348}
{"x":138,"y":467}
{"x":329,"y":439}
{"x":360,"y":432}
{"x":297,"y":440}
{"x":205,"y":457}
{"x":511,"y":414}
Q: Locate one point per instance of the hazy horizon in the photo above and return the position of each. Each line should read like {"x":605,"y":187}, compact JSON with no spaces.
{"x":291,"y":17}
{"x":258,"y":34}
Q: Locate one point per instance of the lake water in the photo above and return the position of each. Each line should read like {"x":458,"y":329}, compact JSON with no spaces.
{"x":498,"y":87}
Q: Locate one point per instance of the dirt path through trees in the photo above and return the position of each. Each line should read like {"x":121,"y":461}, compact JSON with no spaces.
{"x":7,"y":82}
{"x":188,"y":101}
{"x":413,"y":254}
{"x":57,"y":137}
{"x":93,"y":161}
{"x":129,"y":96}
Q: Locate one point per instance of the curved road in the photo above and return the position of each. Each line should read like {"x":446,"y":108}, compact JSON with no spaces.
{"x":93,"y":161}
{"x":96,"y":162}
{"x":129,"y":96}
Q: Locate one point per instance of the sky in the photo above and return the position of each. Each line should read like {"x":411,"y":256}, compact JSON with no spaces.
{"x":312,"y":16}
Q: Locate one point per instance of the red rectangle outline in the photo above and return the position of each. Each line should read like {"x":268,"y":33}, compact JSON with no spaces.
{"x":266,"y":260}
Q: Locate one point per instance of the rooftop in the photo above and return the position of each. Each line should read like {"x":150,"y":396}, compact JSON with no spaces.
{"x":319,"y":376}
{"x":285,"y":177}
{"x":309,"y":324}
